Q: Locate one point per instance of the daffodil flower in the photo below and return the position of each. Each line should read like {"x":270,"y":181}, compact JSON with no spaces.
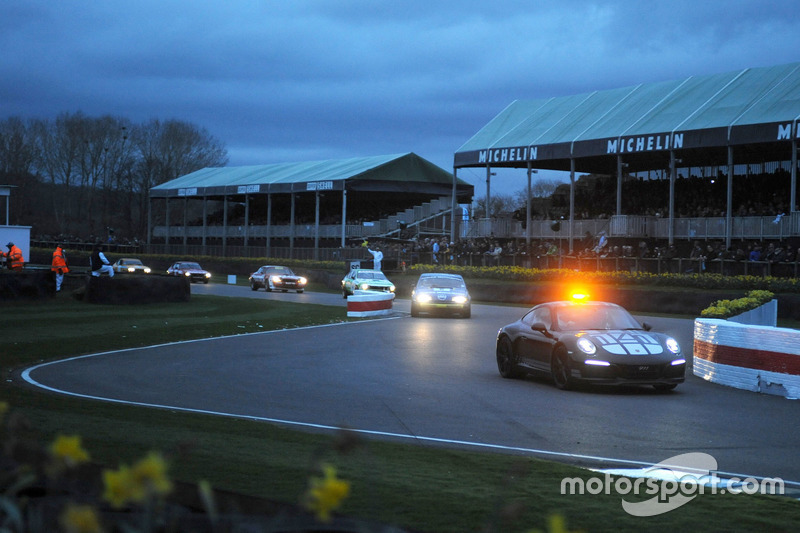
{"x":326,"y":494}
{"x":68,"y":450}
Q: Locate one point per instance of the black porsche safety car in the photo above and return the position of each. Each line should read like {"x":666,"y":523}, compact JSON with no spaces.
{"x":588,"y":342}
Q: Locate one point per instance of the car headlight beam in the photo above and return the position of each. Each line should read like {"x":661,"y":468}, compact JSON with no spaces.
{"x":424,"y":298}
{"x":673,"y":346}
{"x":586,"y":346}
{"x":460,"y":299}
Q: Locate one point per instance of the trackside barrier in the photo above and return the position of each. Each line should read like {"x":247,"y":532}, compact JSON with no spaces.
{"x":756,"y":358}
{"x":369,"y":303}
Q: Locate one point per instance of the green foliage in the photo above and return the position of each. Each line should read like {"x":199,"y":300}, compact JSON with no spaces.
{"x":728,"y":308}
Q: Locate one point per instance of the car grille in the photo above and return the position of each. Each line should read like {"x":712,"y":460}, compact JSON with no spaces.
{"x":372,"y":288}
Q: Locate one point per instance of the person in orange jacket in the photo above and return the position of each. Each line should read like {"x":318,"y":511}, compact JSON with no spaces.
{"x":60,"y":266}
{"x":14,"y":259}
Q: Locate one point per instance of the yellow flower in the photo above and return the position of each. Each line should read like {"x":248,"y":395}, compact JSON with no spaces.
{"x":326,"y":494}
{"x":150,"y":477}
{"x":147,"y":478}
{"x":68,"y":450}
{"x":118,"y":486}
{"x":80,"y":519}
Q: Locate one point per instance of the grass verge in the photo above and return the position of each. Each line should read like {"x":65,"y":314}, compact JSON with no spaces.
{"x":424,"y":488}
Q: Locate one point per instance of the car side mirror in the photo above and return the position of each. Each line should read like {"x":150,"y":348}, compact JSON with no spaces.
{"x":541,"y":328}
{"x":646,"y":326}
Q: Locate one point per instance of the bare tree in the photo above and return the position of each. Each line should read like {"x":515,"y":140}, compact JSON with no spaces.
{"x":100,"y":170}
{"x":500,"y":204}
{"x":60,"y":160}
{"x":165,"y":151}
{"x":17,"y":148}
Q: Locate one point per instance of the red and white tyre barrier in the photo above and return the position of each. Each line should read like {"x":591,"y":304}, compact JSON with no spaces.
{"x":755,"y":358}
{"x":369,"y":303}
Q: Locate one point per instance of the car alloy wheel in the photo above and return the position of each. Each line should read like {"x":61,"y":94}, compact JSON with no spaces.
{"x":559,"y":367}
{"x":506,"y":360}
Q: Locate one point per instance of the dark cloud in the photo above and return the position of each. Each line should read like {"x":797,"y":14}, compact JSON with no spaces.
{"x":288,"y":81}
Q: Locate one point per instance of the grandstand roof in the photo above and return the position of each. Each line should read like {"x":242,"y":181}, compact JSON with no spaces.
{"x":386,"y":173}
{"x":754,"y":110}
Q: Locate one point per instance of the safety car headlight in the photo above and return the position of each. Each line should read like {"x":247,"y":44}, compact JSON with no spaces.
{"x":302,"y":281}
{"x":424,"y":298}
{"x":208,"y":274}
{"x":673,"y":346}
{"x":275,"y":279}
{"x":147,"y":270}
{"x":187,"y":274}
{"x":460,"y":299}
{"x":586,"y":346}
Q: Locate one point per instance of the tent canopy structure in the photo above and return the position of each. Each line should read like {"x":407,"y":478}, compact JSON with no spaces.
{"x":754,"y":110}
{"x":388,"y":173}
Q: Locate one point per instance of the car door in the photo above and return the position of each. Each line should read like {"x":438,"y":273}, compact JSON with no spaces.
{"x":535,"y":346}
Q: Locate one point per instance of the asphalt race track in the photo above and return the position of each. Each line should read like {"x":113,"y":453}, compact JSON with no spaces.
{"x":435,"y":381}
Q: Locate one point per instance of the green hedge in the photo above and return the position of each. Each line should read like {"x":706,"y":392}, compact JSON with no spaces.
{"x":729,"y":308}
{"x":245,"y":265}
{"x":688,"y":281}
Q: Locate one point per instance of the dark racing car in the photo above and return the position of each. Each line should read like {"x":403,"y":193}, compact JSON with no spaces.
{"x":277,"y":278}
{"x":588,"y":342}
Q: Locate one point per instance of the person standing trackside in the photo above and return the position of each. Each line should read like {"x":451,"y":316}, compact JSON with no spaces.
{"x":60,"y":266}
{"x":14,"y":259}
{"x":377,"y":256}
{"x":98,"y":262}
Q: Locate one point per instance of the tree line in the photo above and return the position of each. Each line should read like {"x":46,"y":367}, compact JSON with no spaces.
{"x":85,"y":177}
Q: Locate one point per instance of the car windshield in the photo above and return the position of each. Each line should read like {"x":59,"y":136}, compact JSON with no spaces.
{"x":190,"y":266}
{"x":131,"y":262}
{"x":279,"y":271}
{"x":371,"y":275}
{"x":591,"y":316}
{"x":440,"y":283}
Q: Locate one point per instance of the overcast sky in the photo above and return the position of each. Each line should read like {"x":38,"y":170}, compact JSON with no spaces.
{"x":294,"y":80}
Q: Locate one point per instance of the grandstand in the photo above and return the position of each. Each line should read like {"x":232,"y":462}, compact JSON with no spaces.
{"x":302,"y":210}
{"x":722,"y":127}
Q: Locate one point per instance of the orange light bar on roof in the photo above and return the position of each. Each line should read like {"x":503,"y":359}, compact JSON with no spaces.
{"x":579,"y":296}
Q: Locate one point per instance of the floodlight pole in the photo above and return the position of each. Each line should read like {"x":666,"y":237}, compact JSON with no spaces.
{"x":453,"y":207}
{"x":672,"y":177}
{"x":793,"y":194}
{"x":344,"y":215}
{"x":571,"y":203}
{"x":528,"y":209}
{"x":488,"y":192}
{"x":620,"y":166}
{"x":269,"y":223}
{"x":729,"y":201}
{"x":316,"y":225}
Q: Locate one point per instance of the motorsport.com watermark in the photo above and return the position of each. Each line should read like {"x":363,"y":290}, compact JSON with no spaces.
{"x":671,"y":483}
